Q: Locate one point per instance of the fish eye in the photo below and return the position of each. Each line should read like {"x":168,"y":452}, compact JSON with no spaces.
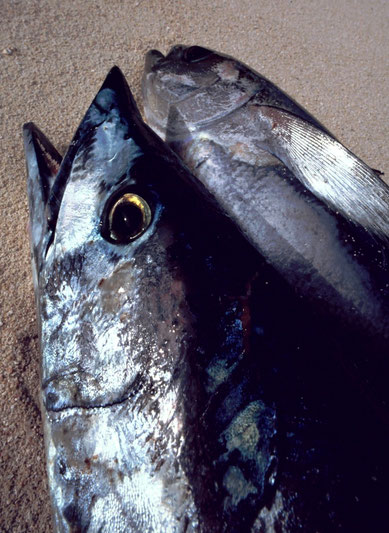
{"x":196,"y":53}
{"x":128,"y":218}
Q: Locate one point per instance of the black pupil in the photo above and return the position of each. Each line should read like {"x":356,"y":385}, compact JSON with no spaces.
{"x":127,"y":220}
{"x":195,"y":53}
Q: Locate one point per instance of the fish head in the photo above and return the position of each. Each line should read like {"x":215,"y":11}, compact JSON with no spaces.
{"x":192,"y":88}
{"x":198,"y":82}
{"x":114,"y":326}
{"x":101,"y":209}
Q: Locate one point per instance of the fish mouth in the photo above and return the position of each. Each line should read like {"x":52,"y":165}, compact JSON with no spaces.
{"x":103,"y":409}
{"x":64,"y":393}
{"x":189,"y":54}
{"x":179,"y":52}
{"x":152,"y":58}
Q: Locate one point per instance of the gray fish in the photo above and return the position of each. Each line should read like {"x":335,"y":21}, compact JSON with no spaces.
{"x":315,"y":211}
{"x":179,"y":392}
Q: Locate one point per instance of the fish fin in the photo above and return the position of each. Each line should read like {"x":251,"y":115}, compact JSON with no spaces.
{"x":43,"y":163}
{"x":329,"y":170}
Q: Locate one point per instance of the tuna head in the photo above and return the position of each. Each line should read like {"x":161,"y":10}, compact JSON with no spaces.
{"x":114,"y":324}
{"x":202,"y":85}
{"x":124,"y":265}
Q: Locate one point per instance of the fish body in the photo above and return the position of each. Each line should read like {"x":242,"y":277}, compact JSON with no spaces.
{"x":316,"y":212}
{"x":179,"y":392}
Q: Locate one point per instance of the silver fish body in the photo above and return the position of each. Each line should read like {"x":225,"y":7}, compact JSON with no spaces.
{"x":316,"y":212}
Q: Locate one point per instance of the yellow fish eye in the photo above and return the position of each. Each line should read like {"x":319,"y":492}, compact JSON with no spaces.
{"x":128,"y":218}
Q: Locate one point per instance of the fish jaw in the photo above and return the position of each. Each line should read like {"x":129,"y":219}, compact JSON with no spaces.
{"x":43,"y":163}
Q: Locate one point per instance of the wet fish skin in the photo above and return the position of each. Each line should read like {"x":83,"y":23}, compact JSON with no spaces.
{"x":142,"y":342}
{"x":227,"y":123}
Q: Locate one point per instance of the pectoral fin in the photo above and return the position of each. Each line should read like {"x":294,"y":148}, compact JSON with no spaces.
{"x":330,"y":171}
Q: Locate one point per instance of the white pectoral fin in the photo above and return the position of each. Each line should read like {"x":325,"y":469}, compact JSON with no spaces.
{"x":330,"y":171}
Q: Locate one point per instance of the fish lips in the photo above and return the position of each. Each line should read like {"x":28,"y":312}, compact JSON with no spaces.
{"x":152,"y":58}
{"x":65,"y":392}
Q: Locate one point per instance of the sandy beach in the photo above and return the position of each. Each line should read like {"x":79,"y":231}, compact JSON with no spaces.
{"x":331,"y":56}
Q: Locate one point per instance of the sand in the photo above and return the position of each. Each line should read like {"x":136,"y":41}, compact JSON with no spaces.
{"x":331,"y":56}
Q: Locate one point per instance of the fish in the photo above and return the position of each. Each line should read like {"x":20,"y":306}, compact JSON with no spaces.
{"x":315,"y":216}
{"x":145,"y":335}
{"x":178,"y":388}
{"x":315,"y":211}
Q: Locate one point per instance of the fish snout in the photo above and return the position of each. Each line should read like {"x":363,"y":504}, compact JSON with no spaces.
{"x":176,"y":52}
{"x":188,"y":54}
{"x":152,"y":58}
